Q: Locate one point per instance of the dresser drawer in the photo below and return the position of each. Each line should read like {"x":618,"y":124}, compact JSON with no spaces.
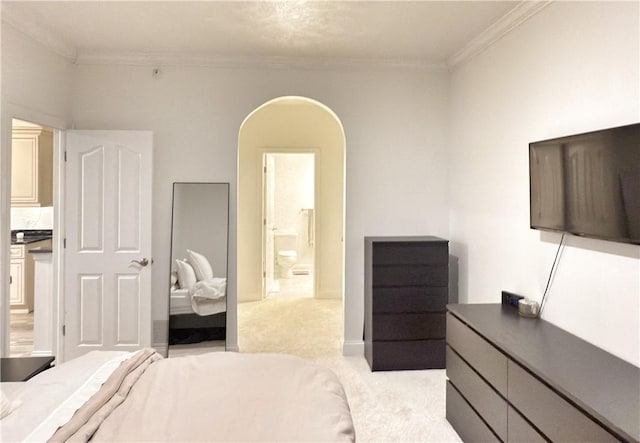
{"x":409,"y":299}
{"x":414,"y":354}
{"x":411,"y":254}
{"x":410,"y":275}
{"x":16,"y":252}
{"x":555,"y":417}
{"x":520,"y":431}
{"x":464,"y":419}
{"x":478,"y":393}
{"x":482,"y":356}
{"x":408,"y":326}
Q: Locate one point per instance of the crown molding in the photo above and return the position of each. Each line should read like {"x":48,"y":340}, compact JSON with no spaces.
{"x":29,"y":27}
{"x":511,"y":20}
{"x":172,"y":59}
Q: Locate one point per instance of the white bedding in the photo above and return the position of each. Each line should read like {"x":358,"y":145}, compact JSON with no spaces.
{"x":42,"y":396}
{"x":207,"y":297}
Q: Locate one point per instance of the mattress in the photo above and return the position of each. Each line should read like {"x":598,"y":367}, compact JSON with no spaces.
{"x":180,"y":302}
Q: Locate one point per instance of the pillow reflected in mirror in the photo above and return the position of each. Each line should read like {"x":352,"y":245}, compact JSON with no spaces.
{"x":200,"y":264}
{"x":186,"y":275}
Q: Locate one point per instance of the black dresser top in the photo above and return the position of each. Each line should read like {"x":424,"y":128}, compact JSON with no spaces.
{"x":401,"y":239}
{"x":605,"y":386}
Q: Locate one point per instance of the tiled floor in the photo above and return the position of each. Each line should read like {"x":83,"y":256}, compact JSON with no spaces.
{"x":21,"y":338}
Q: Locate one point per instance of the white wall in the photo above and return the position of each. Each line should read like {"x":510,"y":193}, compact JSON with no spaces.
{"x":35,"y":86}
{"x":572,"y":68}
{"x":395,"y":125}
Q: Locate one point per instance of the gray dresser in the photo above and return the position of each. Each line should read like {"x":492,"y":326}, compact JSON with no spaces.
{"x":525,"y":380}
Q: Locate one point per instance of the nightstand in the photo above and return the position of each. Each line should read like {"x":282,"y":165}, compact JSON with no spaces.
{"x":23,"y":368}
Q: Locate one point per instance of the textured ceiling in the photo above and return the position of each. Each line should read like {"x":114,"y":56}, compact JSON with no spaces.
{"x":401,"y":30}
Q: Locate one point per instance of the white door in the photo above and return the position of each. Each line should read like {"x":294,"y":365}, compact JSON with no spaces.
{"x":107,"y":292}
{"x":268,"y":226}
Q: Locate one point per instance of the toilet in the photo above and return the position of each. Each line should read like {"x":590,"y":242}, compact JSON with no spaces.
{"x":286,"y":256}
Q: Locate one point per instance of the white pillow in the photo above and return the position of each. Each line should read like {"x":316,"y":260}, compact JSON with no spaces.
{"x":200,"y":264}
{"x":186,"y":275}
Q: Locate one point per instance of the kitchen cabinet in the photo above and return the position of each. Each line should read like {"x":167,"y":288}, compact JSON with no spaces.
{"x":22,"y":275}
{"x":32,"y":167}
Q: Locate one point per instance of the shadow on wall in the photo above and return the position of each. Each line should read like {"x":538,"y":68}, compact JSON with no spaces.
{"x":457,"y":284}
{"x":453,"y":279}
{"x":592,"y":244}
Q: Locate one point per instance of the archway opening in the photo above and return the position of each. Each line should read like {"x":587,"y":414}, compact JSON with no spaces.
{"x":288,"y":125}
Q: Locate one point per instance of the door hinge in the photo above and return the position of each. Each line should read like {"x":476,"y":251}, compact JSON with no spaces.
{"x":65,"y":156}
{"x":264,"y":274}
{"x":264,"y":221}
{"x":265,"y":169}
{"x":64,"y":330}
{"x":64,"y":243}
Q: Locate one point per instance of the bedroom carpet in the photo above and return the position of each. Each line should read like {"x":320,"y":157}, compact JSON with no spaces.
{"x":395,"y":406}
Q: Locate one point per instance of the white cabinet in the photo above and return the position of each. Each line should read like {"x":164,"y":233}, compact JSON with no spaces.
{"x":32,"y":167}
{"x":22,"y":275}
{"x":17,"y":282}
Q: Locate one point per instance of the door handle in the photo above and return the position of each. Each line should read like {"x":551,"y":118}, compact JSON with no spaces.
{"x":144,"y":262}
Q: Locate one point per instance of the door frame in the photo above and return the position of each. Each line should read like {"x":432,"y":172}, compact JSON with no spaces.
{"x":59,"y":125}
{"x":317,"y":213}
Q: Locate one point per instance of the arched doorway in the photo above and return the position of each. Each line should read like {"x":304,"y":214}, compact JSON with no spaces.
{"x":288,"y":125}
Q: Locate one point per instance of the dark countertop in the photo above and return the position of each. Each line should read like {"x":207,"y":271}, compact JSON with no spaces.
{"x":600,"y":383}
{"x":40,"y":250}
{"x":31,"y":236}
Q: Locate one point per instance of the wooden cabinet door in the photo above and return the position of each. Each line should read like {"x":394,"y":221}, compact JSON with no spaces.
{"x":31,"y":167}
{"x":17,"y":283}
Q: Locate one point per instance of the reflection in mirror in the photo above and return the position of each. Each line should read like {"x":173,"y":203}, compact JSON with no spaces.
{"x":199,"y":241}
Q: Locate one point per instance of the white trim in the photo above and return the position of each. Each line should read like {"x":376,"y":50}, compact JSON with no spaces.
{"x":42,"y":354}
{"x":329,"y":295}
{"x":511,"y":20}
{"x":170,"y":59}
{"x":352,"y":347}
{"x":59,"y":233}
{"x":12,"y":110}
{"x":32,"y":29}
{"x":161,"y":348}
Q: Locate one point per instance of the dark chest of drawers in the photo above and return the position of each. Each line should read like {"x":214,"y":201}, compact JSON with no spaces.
{"x":516,"y":379}
{"x":406,"y":292}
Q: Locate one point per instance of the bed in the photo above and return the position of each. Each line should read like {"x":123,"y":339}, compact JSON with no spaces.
{"x":199,"y":313}
{"x":115,"y":396}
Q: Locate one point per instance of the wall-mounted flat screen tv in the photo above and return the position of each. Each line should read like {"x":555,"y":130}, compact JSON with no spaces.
{"x":588,"y":184}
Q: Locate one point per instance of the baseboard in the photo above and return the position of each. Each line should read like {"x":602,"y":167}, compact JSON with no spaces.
{"x":352,"y":347}
{"x":161,"y":348}
{"x":256,"y":296}
{"x":232,"y":347}
{"x":41,"y":354}
{"x":329,"y":295}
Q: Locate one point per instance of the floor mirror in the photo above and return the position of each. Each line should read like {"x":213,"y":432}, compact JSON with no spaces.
{"x":198,"y":274}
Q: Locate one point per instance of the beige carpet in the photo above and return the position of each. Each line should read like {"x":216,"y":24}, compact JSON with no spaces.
{"x":395,"y":406}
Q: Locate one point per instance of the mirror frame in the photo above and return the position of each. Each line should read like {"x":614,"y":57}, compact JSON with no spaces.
{"x":173,"y":202}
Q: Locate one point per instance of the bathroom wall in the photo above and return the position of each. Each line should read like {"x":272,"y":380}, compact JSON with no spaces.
{"x":293,"y":192}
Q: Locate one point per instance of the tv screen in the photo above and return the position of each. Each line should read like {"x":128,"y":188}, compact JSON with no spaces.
{"x":588,"y":184}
